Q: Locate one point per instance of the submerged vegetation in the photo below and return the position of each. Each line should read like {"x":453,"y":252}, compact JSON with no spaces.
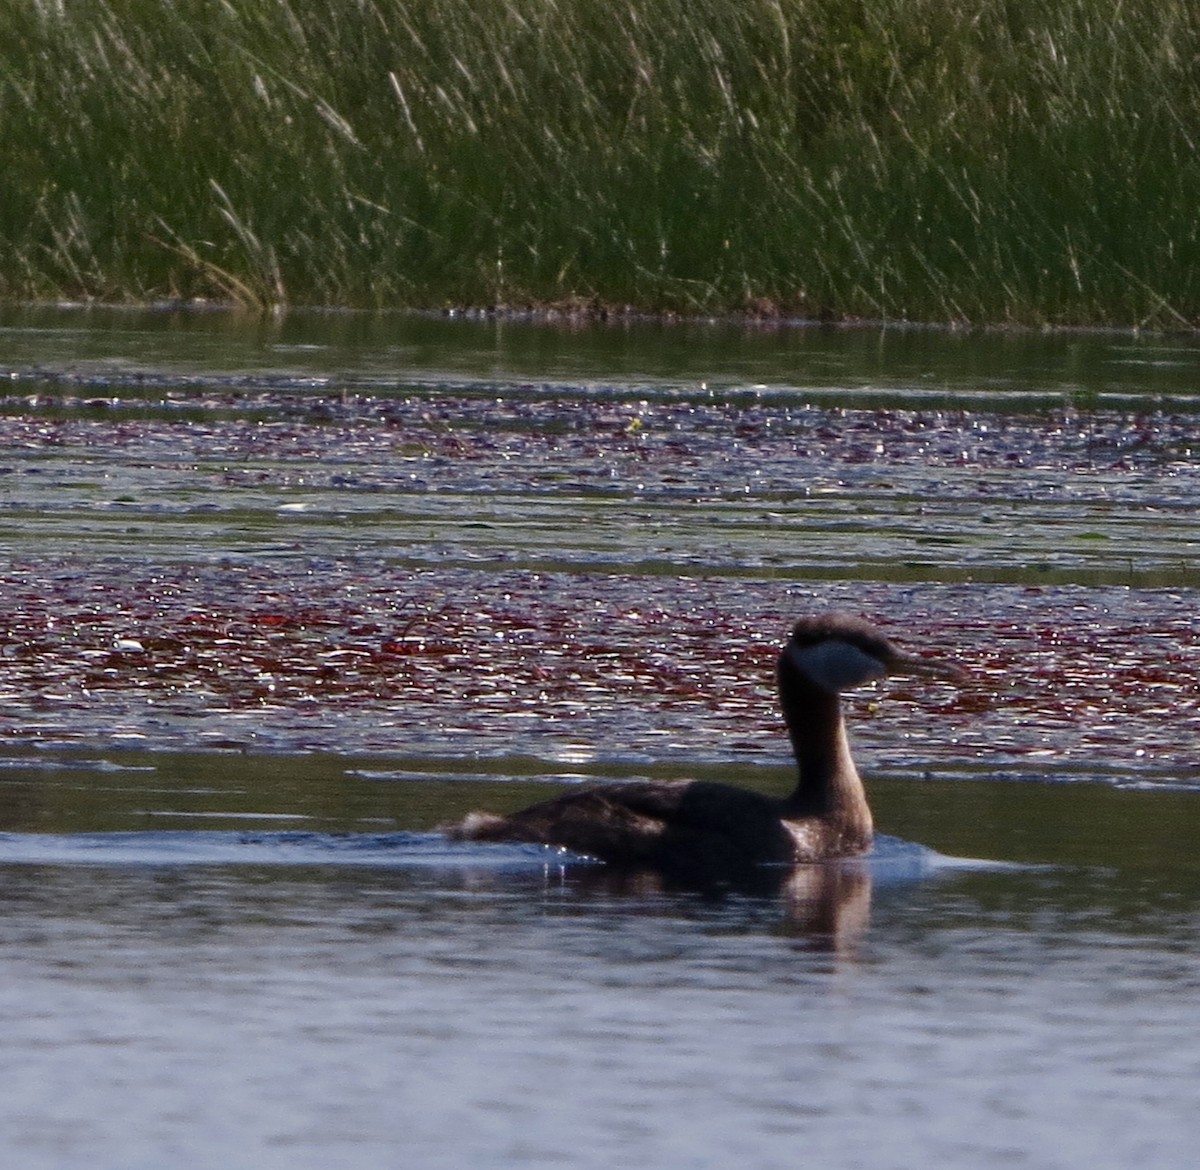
{"x":988,"y":160}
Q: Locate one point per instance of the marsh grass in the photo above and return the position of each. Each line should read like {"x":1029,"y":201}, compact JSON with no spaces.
{"x":1028,"y":160}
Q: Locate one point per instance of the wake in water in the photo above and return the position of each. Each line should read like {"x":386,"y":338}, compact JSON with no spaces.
{"x":187,"y":848}
{"x":891,"y":859}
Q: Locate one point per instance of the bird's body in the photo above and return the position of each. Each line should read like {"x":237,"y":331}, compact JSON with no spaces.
{"x":687,"y":826}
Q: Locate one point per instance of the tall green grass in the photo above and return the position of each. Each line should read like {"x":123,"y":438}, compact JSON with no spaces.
{"x":979,"y":160}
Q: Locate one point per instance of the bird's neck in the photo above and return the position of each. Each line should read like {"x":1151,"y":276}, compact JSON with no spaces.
{"x":829,"y":786}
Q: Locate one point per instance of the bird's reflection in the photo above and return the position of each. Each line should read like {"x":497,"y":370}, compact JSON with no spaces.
{"x":828,"y":905}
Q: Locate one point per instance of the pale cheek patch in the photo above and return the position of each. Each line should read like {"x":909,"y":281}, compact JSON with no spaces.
{"x":836,"y":666}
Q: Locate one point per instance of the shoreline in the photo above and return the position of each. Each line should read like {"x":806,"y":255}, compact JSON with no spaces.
{"x":592,"y":316}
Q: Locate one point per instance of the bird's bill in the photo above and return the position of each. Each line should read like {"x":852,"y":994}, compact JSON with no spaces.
{"x":910,"y":664}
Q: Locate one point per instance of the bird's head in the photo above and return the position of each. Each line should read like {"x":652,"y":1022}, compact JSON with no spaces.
{"x":837,"y":651}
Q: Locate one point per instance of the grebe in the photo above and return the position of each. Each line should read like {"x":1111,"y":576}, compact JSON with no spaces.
{"x":696,"y":825}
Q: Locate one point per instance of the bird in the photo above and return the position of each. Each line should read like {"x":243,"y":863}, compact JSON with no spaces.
{"x":703,"y":828}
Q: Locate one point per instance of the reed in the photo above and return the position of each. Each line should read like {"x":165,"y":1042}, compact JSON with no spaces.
{"x":1023,"y":161}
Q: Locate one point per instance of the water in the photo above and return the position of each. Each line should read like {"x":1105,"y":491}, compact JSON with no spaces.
{"x":278,"y":598}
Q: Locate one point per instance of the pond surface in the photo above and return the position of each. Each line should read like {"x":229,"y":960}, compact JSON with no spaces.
{"x":279,"y":597}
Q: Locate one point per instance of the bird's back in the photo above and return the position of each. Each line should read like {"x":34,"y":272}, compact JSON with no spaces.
{"x":648,"y":823}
